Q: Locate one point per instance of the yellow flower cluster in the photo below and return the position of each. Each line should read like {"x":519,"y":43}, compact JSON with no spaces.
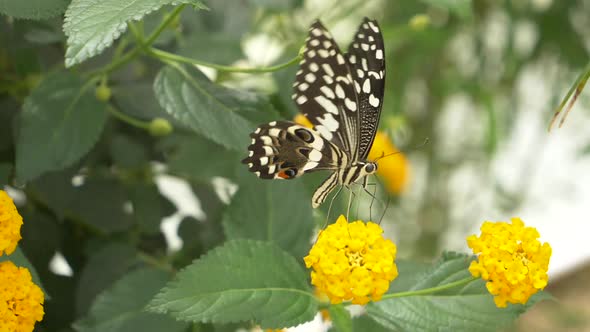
{"x":394,"y":169}
{"x":352,"y":262}
{"x":10,"y":223}
{"x":511,"y":259}
{"x":21,"y":301}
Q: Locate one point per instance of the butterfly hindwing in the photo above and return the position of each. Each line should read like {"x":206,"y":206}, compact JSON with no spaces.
{"x":323,"y":89}
{"x":366,"y":58}
{"x":285,"y":150}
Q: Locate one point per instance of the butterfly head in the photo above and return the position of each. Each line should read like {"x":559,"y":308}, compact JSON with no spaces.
{"x":366,"y":168}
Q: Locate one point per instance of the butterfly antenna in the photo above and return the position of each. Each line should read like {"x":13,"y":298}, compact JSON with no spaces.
{"x":426,"y":140}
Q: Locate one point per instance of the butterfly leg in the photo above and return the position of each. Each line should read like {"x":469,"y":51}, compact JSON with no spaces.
{"x":330,"y":207}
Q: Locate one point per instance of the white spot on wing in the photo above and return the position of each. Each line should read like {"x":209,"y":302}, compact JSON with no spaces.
{"x":324,"y":132}
{"x":303,"y":86}
{"x":326,"y":104}
{"x":373,"y":101}
{"x":263,"y":161}
{"x":365,"y":47}
{"x":309,"y":77}
{"x":323,"y":53}
{"x":272,"y":124}
{"x":314,"y":42}
{"x":327,"y":91}
{"x":352,"y":59}
{"x":367,"y":86}
{"x":350,"y":104}
{"x":274,"y":132}
{"x":271,"y":169}
{"x":328,"y":79}
{"x":251,"y":153}
{"x":329,"y":122}
{"x":379,"y":54}
{"x":301,"y":100}
{"x":373,"y":27}
{"x":360,"y":73}
{"x":267,"y":150}
{"x":328,"y":69}
{"x":266,"y":140}
{"x":340,"y":59}
{"x":315,"y":155}
{"x":364,"y":64}
{"x":339,"y":91}
{"x":314,"y":67}
{"x":316,"y":32}
{"x":310,"y":165}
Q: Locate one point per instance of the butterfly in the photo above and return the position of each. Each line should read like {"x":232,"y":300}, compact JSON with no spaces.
{"x":342,"y":95}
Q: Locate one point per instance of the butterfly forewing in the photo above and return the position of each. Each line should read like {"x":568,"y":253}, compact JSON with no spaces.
{"x":366,"y":58}
{"x":285,"y":150}
{"x":323,"y":90}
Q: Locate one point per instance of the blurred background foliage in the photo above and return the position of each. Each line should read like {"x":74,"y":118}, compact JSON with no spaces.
{"x":455,"y":75}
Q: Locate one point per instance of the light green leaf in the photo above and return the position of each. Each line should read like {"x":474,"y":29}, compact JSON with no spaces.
{"x":93,"y":25}
{"x":33,"y":9}
{"x":241,"y":281}
{"x":60,"y":122}
{"x":460,"y":7}
{"x":215,"y":112}
{"x":341,"y":319}
{"x":276,"y":211}
{"x":466,"y":308}
{"x":120,"y":308}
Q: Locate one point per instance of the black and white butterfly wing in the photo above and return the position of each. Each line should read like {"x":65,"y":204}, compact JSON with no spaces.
{"x":324,"y":92}
{"x":366,"y":58}
{"x":286,"y":150}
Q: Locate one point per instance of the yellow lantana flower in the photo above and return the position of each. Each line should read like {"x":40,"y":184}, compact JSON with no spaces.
{"x":511,"y":259}
{"x":21,"y":301}
{"x":10,"y":223}
{"x":352,"y":262}
{"x":394,"y":169}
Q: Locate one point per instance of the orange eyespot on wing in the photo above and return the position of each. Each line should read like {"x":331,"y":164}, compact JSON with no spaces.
{"x":283,"y":175}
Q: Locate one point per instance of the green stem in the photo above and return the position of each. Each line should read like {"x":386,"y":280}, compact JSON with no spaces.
{"x":126,"y":118}
{"x":429,"y":290}
{"x":164,"y":24}
{"x":137,"y":33}
{"x":576,"y":87}
{"x":163,"y":55}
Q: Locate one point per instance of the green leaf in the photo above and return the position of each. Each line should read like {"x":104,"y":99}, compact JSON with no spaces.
{"x":466,"y":308}
{"x":93,"y":25}
{"x":241,"y":281}
{"x":365,"y":323}
{"x":120,"y":308}
{"x":127,"y":152}
{"x":462,"y":8}
{"x":341,"y":319}
{"x":5,"y":172}
{"x":187,"y":159}
{"x":277,"y":211}
{"x":215,"y":112}
{"x":33,"y":9}
{"x":103,"y":268}
{"x":149,"y":206}
{"x":60,"y":122}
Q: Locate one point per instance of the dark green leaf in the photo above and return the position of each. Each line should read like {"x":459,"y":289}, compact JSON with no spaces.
{"x":5,"y":173}
{"x":100,"y":203}
{"x":466,"y":308}
{"x":102,"y":269}
{"x":137,"y":99}
{"x":341,"y":320}
{"x":149,"y":206}
{"x":199,"y":159}
{"x":277,"y":211}
{"x":128,"y":153}
{"x":33,"y":9}
{"x":120,"y":308}
{"x":91,"y":28}
{"x":243,"y":280}
{"x":215,"y":112}
{"x":60,"y":122}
